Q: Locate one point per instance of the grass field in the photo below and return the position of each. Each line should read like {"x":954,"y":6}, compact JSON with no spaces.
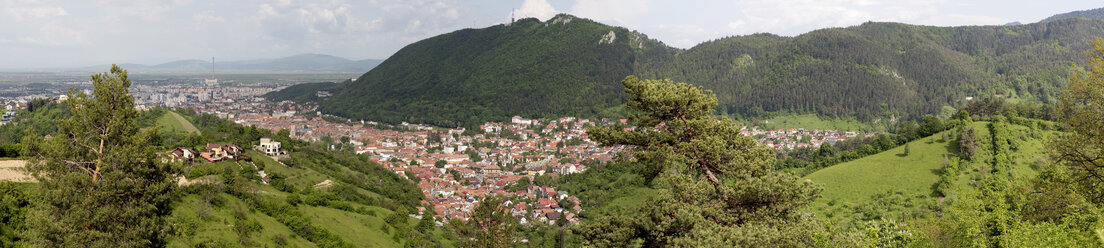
{"x":906,"y":181}
{"x":173,"y":122}
{"x":892,"y":171}
{"x":359,"y":230}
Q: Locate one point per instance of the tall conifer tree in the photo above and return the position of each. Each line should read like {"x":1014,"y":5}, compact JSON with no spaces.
{"x":101,"y":183}
{"x":717,"y":188}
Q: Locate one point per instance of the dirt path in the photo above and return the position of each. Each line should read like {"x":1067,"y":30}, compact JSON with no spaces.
{"x":12,"y":170}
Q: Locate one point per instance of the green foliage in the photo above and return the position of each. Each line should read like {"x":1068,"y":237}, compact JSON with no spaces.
{"x":889,"y":233}
{"x":489,"y":225}
{"x":477,"y":77}
{"x":14,"y":202}
{"x":40,"y":118}
{"x":1088,"y":14}
{"x":1082,"y":110}
{"x":306,"y":92}
{"x":213,"y":129}
{"x":967,"y":143}
{"x":100,"y":182}
{"x":356,"y":170}
{"x":804,"y":161}
{"x":291,"y":217}
{"x":930,"y":125}
{"x":10,"y":150}
{"x":719,"y":187}
{"x":602,"y":183}
{"x":882,"y":70}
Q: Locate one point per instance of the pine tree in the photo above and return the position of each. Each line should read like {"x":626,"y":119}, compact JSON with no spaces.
{"x":718,"y":188}
{"x":101,"y":184}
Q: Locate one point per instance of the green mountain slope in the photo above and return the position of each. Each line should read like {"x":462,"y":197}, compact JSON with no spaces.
{"x":301,"y":92}
{"x":1090,"y":14}
{"x":866,"y":70}
{"x":567,"y":66}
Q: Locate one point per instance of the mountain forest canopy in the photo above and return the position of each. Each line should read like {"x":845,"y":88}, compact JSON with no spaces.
{"x":566,"y":66}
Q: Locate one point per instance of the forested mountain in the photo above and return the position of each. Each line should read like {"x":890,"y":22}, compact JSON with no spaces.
{"x":871,"y":69}
{"x":1090,"y":14}
{"x":567,"y":66}
{"x":301,"y":92}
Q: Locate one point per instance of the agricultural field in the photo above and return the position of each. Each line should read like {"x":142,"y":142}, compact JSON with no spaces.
{"x":12,"y":170}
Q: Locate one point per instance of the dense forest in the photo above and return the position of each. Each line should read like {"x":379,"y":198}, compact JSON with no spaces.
{"x":302,"y":92}
{"x":566,"y":66}
{"x":570,"y":66}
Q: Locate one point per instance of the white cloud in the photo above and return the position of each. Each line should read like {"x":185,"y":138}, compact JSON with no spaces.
{"x":535,"y":8}
{"x":617,"y":12}
{"x":207,"y":17}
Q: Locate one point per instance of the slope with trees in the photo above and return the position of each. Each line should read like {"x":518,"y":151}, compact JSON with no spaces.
{"x":565,"y":66}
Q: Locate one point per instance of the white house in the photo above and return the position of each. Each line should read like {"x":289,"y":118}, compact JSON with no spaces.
{"x":269,"y":147}
{"x":522,"y":121}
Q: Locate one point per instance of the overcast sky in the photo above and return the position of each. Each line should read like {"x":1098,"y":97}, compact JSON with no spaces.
{"x":46,"y":33}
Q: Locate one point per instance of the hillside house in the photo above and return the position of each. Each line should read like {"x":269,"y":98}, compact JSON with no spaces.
{"x":269,"y":147}
{"x":183,"y":154}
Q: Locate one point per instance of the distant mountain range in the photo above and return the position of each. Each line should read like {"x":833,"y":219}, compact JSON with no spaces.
{"x":572,"y":66}
{"x":297,"y":63}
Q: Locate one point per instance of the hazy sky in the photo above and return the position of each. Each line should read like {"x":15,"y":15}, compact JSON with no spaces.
{"x":46,"y":33}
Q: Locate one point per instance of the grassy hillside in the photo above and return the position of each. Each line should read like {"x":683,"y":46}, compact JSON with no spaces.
{"x":227,"y":204}
{"x":214,"y":225}
{"x":894,"y":185}
{"x":173,"y":122}
{"x":891,"y":171}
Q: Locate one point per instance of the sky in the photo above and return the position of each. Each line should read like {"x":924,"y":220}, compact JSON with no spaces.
{"x":70,"y":33}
